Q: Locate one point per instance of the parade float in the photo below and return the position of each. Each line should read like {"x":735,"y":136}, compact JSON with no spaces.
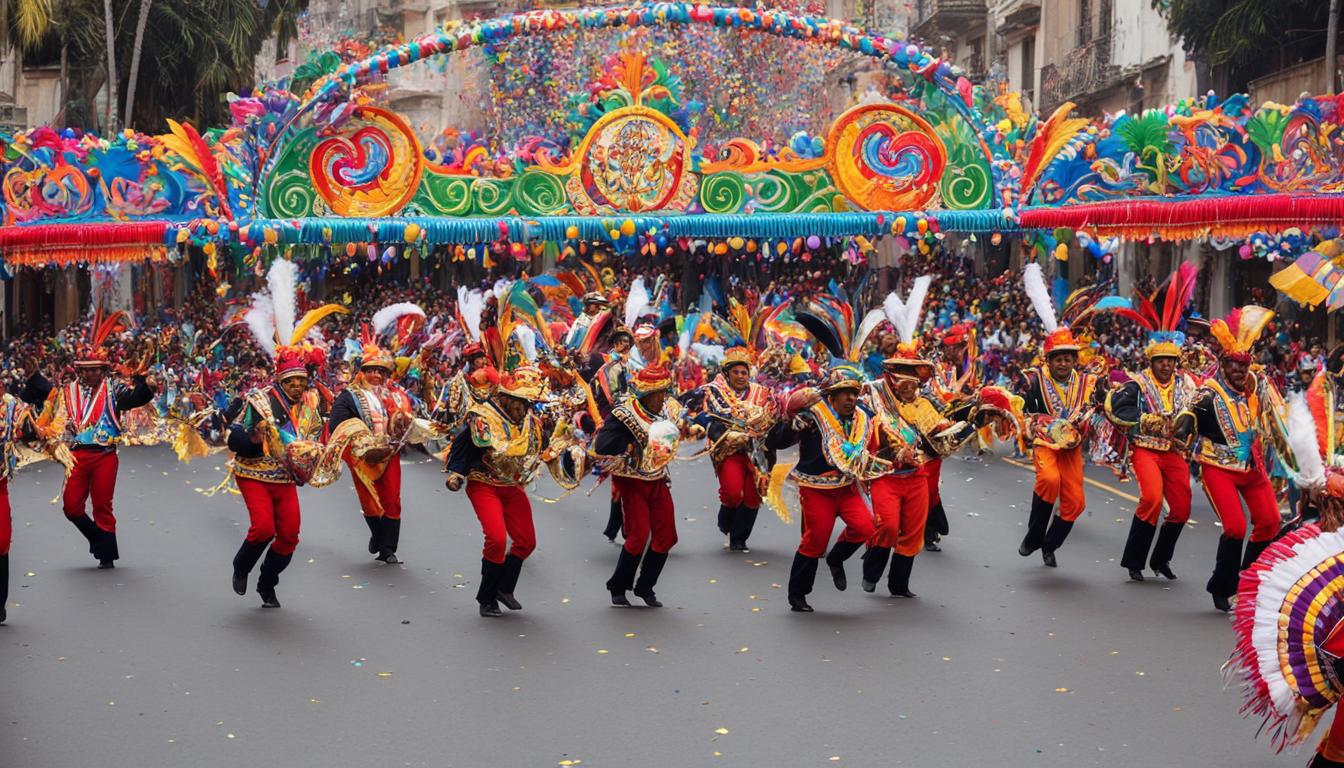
{"x":332,"y":168}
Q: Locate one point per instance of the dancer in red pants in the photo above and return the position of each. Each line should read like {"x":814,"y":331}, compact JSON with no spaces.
{"x":16,"y":424}
{"x":496,"y":456}
{"x":636,"y":443}
{"x":1225,"y":416}
{"x":740,"y":413}
{"x":87,"y":412}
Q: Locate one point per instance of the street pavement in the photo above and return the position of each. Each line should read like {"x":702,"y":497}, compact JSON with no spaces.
{"x":1000,"y":661}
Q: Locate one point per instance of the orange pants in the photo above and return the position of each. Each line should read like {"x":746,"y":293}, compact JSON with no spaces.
{"x":1227,"y":487}
{"x":900,"y":509}
{"x":388,"y":488}
{"x":1059,"y":476}
{"x":1162,"y":475}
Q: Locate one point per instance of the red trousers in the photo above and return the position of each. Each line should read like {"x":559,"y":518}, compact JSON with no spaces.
{"x":1162,"y":475}
{"x":388,"y":488}
{"x":6,"y":523}
{"x":1332,"y":743}
{"x":900,"y":509}
{"x":933,"y":471}
{"x":820,"y":508}
{"x":1223,"y":486}
{"x":274,"y":511}
{"x":650,"y":518}
{"x":737,"y":482}
{"x":1059,"y":475}
{"x":94,"y":474}
{"x":505,"y":513}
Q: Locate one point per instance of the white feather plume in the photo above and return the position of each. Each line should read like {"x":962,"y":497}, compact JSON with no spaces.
{"x":1304,"y":442}
{"x":501,"y":288}
{"x":283,"y":280}
{"x":470,"y":304}
{"x":904,"y":315}
{"x":708,"y":353}
{"x":527,"y":340}
{"x":1034,"y":283}
{"x":684,"y":341}
{"x":389,"y":315}
{"x":260,"y":319}
{"x":636,"y":302}
{"x":870,"y":322}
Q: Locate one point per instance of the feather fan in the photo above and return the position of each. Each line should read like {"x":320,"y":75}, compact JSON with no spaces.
{"x":1304,"y":442}
{"x":1034,"y":283}
{"x":636,"y":303}
{"x":283,"y":280}
{"x":260,"y":319}
{"x":470,"y":305}
{"x":387,"y":316}
{"x":904,"y":315}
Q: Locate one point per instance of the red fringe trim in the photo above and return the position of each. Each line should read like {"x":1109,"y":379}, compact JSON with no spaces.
{"x":1231,"y":216}
{"x":94,"y":243}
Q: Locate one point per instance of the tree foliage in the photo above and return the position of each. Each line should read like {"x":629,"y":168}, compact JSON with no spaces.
{"x":1237,"y":33}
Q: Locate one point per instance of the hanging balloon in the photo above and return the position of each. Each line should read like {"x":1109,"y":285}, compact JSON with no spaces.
{"x":813,"y":242}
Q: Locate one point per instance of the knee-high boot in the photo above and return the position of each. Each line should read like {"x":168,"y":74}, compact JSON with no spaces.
{"x":937,"y":521}
{"x":1054,"y":539}
{"x":244,"y":562}
{"x":1321,"y":761}
{"x":802,"y":575}
{"x":508,"y":581}
{"x":649,"y":572}
{"x":874,"y":563}
{"x":835,"y":560}
{"x":1226,"y":567}
{"x":90,"y":530}
{"x":1165,"y":548}
{"x":487,"y":594}
{"x":105,"y":549}
{"x":1253,"y":550}
{"x":898,"y":581}
{"x":4,"y":587}
{"x":623,"y":579}
{"x":744,"y":520}
{"x":375,"y":533}
{"x":387,"y":551}
{"x":1136,"y":546}
{"x":271,"y":568}
{"x":726,"y":518}
{"x":1036,"y":525}
{"x":613,"y":520}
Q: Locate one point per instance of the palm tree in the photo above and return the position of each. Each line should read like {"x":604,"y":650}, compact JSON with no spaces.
{"x":136,"y":50}
{"x":23,"y":26}
{"x":109,"y":32}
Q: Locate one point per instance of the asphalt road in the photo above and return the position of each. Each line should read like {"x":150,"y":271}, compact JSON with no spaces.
{"x":1000,"y":661}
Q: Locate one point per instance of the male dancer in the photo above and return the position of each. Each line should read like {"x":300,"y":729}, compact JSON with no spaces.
{"x":496,"y":456}
{"x":740,"y":413}
{"x":835,"y":436}
{"x":956,"y":378}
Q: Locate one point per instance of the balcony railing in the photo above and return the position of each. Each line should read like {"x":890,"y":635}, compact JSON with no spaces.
{"x":1084,"y":70}
{"x":947,"y":10}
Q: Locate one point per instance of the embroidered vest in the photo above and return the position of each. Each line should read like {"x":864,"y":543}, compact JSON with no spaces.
{"x":92,"y":416}
{"x":653,"y":459}
{"x":1177,"y":397}
{"x":298,"y":422}
{"x":512,"y":451}
{"x":1237,"y":415}
{"x":844,"y":448}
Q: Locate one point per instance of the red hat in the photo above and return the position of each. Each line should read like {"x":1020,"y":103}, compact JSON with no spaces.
{"x":645,"y":332}
{"x":92,"y":354}
{"x":473,"y":350}
{"x":483,"y":378}
{"x":957,"y":334}
{"x":650,"y":379}
{"x":289,"y":362}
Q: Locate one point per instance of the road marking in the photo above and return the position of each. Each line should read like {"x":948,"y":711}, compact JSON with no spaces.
{"x":1096,"y":483}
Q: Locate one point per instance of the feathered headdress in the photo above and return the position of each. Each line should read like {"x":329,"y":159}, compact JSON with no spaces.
{"x":831,"y":322}
{"x":1238,"y":332}
{"x":1058,"y":338}
{"x":272,"y":319}
{"x":92,"y":354}
{"x":636,"y":302}
{"x":1165,"y":337}
{"x":904,"y":317}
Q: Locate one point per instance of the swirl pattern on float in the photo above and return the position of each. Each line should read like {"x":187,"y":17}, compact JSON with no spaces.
{"x":885,"y":157}
{"x":372,"y":167}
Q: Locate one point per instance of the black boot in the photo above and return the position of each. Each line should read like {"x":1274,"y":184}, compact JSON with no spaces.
{"x":802,"y":576}
{"x":648,"y":577}
{"x":387,"y":552}
{"x":1136,"y":547}
{"x":1320,"y":761}
{"x":105,"y":549}
{"x":271,"y":568}
{"x":1036,"y":525}
{"x":1165,"y":548}
{"x":487,"y":594}
{"x":513,"y":566}
{"x":726,"y":518}
{"x":835,"y":560}
{"x":743,"y":523}
{"x":1253,"y":551}
{"x":375,"y":533}
{"x":244,"y":562}
{"x":874,"y":563}
{"x":1054,"y":538}
{"x":4,"y":587}
{"x":613,"y":520}
{"x":898,"y":581}
{"x":87,"y":527}
{"x":1226,"y":567}
{"x":935,"y":528}
{"x":624,"y":578}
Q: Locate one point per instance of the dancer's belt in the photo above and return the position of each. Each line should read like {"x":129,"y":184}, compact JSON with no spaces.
{"x":93,"y":447}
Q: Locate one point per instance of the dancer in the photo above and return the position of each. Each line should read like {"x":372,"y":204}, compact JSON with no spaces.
{"x":1059,"y":398}
{"x":740,"y":412}
{"x":1227,"y":416}
{"x":495,"y":457}
{"x":87,"y":412}
{"x":956,"y":378}
{"x":1147,"y":406}
{"x":835,"y":436}
{"x":635,"y":444}
{"x":17,"y":424}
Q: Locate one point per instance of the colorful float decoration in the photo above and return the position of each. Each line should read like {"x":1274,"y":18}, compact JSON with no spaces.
{"x":329,"y":165}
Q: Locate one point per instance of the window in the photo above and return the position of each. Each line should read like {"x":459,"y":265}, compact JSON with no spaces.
{"x":975,"y":56}
{"x":1029,"y":68}
{"x":1084,"y":22}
